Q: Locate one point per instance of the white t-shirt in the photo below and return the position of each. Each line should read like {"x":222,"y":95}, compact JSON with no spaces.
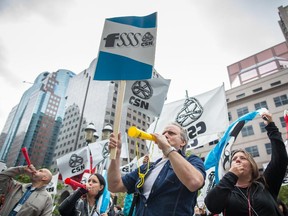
{"x":149,"y":181}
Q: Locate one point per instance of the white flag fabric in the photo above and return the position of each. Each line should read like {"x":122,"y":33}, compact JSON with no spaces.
{"x":127,"y":168}
{"x":203,"y":116}
{"x":74,"y":163}
{"x":99,"y":151}
{"x":52,"y":186}
{"x":147,"y":96}
{"x":124,"y":147}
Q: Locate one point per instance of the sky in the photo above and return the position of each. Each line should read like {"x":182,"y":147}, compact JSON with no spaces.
{"x":196,"y":40}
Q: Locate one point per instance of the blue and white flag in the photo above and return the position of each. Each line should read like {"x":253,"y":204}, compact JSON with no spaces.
{"x":219,"y":156}
{"x":127,"y":48}
{"x":147,"y":96}
{"x":217,"y":162}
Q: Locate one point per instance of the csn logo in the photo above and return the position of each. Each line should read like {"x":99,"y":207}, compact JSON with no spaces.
{"x":142,"y":91}
{"x":191,"y":111}
{"x":76,"y":163}
{"x":129,"y":40}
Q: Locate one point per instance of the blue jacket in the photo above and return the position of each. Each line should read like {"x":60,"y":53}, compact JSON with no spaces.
{"x":168,"y":195}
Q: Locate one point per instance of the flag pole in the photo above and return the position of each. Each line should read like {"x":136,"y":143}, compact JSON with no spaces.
{"x":117,"y":121}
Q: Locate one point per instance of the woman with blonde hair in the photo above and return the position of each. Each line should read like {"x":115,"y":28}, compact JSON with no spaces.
{"x":242,"y":190}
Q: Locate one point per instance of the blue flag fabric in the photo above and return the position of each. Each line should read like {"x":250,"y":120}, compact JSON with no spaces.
{"x":218,"y":157}
{"x":127,"y":48}
{"x":104,"y":201}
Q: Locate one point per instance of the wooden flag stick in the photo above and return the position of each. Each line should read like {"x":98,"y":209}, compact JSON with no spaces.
{"x":117,"y":121}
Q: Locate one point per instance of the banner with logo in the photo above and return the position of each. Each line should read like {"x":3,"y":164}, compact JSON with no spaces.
{"x":127,"y":48}
{"x":127,"y":168}
{"x":204,"y":117}
{"x":74,"y":163}
{"x":99,"y":151}
{"x":147,"y":96}
{"x":52,"y":186}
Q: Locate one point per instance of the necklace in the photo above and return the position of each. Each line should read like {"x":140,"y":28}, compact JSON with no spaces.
{"x":248,"y":201}
{"x":90,"y":209}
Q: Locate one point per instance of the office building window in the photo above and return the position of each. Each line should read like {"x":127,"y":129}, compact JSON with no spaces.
{"x":282,"y":121}
{"x":229,"y":116}
{"x":268,"y":148}
{"x":281,"y":100}
{"x":242,"y":111}
{"x":253,"y":150}
{"x":262,"y":104}
{"x":262,"y":127}
{"x":247,"y":131}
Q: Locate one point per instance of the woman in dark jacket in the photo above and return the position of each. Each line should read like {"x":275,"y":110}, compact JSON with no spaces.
{"x":242,"y":191}
{"x":84,"y":201}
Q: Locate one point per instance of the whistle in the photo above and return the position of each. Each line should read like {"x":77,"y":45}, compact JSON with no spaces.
{"x":137,"y":133}
{"x":74,"y":183}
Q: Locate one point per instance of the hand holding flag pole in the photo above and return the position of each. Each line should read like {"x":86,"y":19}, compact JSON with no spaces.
{"x":25,"y":154}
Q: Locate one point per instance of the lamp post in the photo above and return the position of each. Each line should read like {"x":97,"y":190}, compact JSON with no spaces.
{"x":106,"y":131}
{"x":95,"y":136}
{"x":90,"y":130}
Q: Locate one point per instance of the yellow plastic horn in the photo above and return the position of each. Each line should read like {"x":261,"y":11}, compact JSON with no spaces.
{"x":137,"y":133}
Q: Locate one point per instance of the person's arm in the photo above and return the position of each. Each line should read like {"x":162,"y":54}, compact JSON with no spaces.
{"x":217,"y":198}
{"x":115,"y":183}
{"x":7,"y":176}
{"x":187,"y":173}
{"x":67,"y":207}
{"x":276,"y":169}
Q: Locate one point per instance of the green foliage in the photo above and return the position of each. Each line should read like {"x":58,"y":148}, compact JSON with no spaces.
{"x":120,"y":199}
{"x":23,"y":178}
{"x":283,"y":194}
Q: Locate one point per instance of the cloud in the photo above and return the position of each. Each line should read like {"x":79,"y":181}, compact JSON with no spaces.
{"x":21,"y":9}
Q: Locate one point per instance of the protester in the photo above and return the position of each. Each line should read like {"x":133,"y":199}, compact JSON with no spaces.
{"x":242,"y":190}
{"x":25,"y":199}
{"x":131,"y":199}
{"x":84,"y":201}
{"x":282,"y":206}
{"x":169,"y":185}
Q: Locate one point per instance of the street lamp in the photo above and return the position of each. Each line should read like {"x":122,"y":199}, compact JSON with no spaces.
{"x":89,"y":132}
{"x":95,"y":136}
{"x":106,"y":131}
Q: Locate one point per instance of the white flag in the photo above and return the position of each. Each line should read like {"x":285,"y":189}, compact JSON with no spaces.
{"x":147,"y":96}
{"x":74,"y":163}
{"x":52,"y":186}
{"x":99,"y":151}
{"x":203,"y":116}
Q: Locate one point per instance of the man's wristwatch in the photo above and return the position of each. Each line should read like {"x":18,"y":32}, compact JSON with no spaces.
{"x":169,"y":150}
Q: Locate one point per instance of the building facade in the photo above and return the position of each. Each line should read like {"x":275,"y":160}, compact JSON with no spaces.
{"x":34,"y":123}
{"x":265,"y":86}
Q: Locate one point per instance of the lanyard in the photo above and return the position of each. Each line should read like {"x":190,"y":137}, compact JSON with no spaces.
{"x":23,"y":199}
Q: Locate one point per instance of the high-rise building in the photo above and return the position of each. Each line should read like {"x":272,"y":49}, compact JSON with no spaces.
{"x":34,"y":123}
{"x":283,"y":22}
{"x":90,"y":101}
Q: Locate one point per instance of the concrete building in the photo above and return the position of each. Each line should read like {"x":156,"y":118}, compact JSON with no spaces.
{"x":283,"y":22}
{"x":258,"y":81}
